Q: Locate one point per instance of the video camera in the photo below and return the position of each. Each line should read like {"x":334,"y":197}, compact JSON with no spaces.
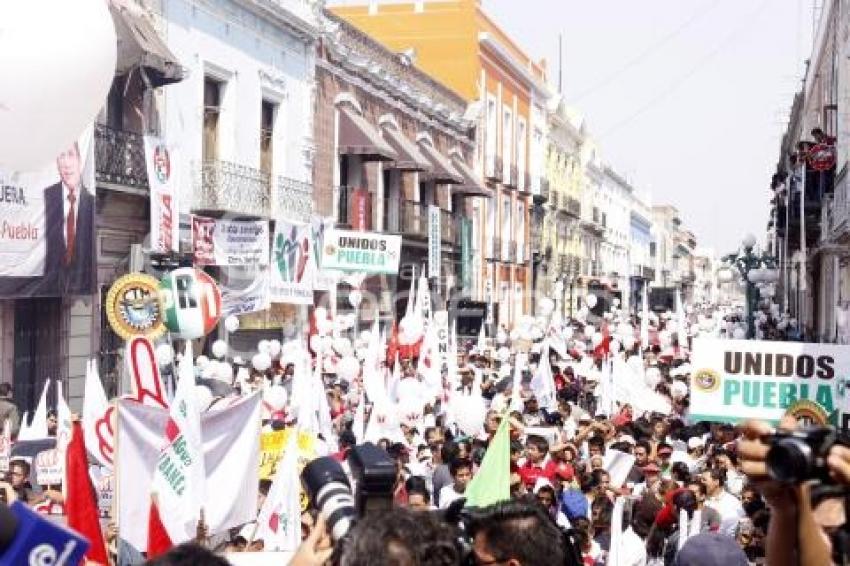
{"x":800,"y":455}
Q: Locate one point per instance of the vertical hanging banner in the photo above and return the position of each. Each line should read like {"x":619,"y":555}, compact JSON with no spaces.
{"x":293,"y":263}
{"x":361,"y":210}
{"x":466,"y":256}
{"x":434,"y":241}
{"x":322,"y":279}
{"x":233,"y":243}
{"x":47,"y":225}
{"x":163,"y":182}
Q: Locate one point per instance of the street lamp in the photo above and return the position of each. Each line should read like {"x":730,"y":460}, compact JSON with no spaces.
{"x":755,"y":269}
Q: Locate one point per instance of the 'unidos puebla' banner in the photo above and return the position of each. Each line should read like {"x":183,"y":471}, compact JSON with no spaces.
{"x":366,"y":252}
{"x":735,"y":380}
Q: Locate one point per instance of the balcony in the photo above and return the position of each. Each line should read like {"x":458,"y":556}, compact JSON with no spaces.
{"x":513,"y":177}
{"x":119,"y":157}
{"x":294,"y":199}
{"x":223,"y":186}
{"x":412,"y":219}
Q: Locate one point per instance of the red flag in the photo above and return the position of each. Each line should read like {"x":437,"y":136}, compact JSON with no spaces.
{"x":604,"y":347}
{"x":80,"y":499}
{"x":158,"y":540}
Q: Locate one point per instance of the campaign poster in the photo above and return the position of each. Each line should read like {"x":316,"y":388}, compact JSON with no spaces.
{"x":230,"y":243}
{"x":163,"y":180}
{"x":244,"y":290}
{"x":364,"y":252}
{"x":292,"y":264}
{"x":736,"y":380}
{"x":47,"y":225}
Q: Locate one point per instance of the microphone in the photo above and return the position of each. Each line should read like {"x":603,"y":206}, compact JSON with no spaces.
{"x":28,"y":538}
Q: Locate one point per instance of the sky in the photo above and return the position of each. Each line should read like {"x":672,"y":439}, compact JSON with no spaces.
{"x":686,"y":98}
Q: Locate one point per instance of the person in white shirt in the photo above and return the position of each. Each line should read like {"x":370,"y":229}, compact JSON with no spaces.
{"x":722,"y":501}
{"x":461,"y":470}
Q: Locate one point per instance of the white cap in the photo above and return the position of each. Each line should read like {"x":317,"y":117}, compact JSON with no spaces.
{"x":695,"y":442}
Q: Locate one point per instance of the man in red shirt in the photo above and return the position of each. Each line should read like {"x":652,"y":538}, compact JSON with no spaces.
{"x":537,"y":464}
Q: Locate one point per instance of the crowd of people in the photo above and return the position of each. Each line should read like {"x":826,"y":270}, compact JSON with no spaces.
{"x":591,"y":479}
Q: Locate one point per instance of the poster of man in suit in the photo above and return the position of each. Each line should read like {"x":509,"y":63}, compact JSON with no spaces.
{"x":47,"y":246}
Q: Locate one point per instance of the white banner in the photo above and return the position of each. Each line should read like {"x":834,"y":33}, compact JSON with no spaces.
{"x":234,"y":243}
{"x":231,"y":439}
{"x":366,"y":252}
{"x":163,"y":180}
{"x":293,"y":264}
{"x":323,"y":279}
{"x":434,"y":241}
{"x":735,"y":380}
{"x":244,"y":290}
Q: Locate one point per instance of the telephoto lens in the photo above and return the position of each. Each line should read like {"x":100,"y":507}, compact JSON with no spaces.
{"x":329,"y":490}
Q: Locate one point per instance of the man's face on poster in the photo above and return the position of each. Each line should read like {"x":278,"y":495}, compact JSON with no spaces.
{"x":68,"y":163}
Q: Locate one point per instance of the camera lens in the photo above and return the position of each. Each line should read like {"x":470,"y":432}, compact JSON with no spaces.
{"x":789,"y":460}
{"x":329,"y":489}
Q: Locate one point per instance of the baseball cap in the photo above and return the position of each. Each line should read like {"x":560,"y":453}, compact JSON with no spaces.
{"x":710,"y":549}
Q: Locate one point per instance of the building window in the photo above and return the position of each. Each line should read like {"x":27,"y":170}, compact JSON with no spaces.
{"x":507,"y":143}
{"x":267,"y":116}
{"x":520,"y":232}
{"x":212,"y":112}
{"x":491,"y":135}
{"x":521,"y":145}
{"x":506,"y":227}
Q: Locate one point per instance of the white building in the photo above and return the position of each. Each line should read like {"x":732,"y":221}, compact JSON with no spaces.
{"x":614,"y":200}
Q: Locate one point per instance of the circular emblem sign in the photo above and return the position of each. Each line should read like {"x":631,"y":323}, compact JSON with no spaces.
{"x":191,"y":302}
{"x":809,"y":412}
{"x":162,"y":163}
{"x":133,"y":307}
{"x":706,"y":380}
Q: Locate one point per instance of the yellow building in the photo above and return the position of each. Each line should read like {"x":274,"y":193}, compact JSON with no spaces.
{"x":460,"y":46}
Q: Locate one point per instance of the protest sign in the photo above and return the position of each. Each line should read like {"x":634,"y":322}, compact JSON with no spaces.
{"x":618,"y":465}
{"x":293,"y":263}
{"x":48,"y":467}
{"x":735,"y":380}
{"x":272,"y":446}
{"x":366,"y":252}
{"x":244,"y":290}
{"x":230,"y":242}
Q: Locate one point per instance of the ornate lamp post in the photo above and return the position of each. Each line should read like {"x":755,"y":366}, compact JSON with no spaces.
{"x":755,"y":269}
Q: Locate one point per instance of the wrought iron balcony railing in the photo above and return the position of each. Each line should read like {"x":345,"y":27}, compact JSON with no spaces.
{"x":119,"y":157}
{"x":223,"y":186}
{"x":293,"y":199}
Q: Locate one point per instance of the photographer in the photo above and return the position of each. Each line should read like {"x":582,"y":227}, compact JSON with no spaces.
{"x":794,"y":536}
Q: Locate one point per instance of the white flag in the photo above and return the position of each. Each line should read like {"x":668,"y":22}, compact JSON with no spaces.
{"x":231,"y":451}
{"x":96,"y":418}
{"x":180,"y":476}
{"x":279,"y":521}
{"x":37,"y":429}
{"x":644,"y":320}
{"x":543,"y":382}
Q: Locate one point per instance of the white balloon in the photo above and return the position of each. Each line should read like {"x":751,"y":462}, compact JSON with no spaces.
{"x":231,"y":323}
{"x":261,"y":361}
{"x":223,"y":371}
{"x":501,"y":337}
{"x":678,"y":390}
{"x":503,"y":353}
{"x":589,"y":330}
{"x":327,"y":344}
{"x":536,"y":334}
{"x":324,"y":326}
{"x":263,"y":346}
{"x":567,"y":332}
{"x":547,"y":306}
{"x":514,"y":335}
{"x":202,"y":361}
{"x":469,"y":413}
{"x":348,"y":368}
{"x":665,"y":338}
{"x":596,"y":339}
{"x":57,"y":62}
{"x":164,"y":354}
{"x":275,"y":348}
{"x":614,"y":346}
{"x":615,"y":302}
{"x":219,"y":349}
{"x":410,"y":390}
{"x":652,"y":377}
{"x":275,"y":397}
{"x":355,"y":297}
{"x":739,"y":333}
{"x":591,"y":300}
{"x":315,"y":342}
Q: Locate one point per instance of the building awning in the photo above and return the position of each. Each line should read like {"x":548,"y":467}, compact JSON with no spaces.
{"x":409,"y":156}
{"x":359,"y":137}
{"x":442,"y":170}
{"x":471,"y":186}
{"x":140,"y":47}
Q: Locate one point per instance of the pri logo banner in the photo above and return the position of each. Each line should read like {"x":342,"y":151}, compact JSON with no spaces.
{"x":163,"y":180}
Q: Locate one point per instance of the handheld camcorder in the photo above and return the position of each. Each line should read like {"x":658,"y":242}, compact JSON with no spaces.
{"x":800,"y":455}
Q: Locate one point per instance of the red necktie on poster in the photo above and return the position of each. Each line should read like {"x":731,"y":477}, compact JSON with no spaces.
{"x":70,"y":227}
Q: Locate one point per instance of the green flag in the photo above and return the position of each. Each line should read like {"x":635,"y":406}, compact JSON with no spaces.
{"x":492,"y":483}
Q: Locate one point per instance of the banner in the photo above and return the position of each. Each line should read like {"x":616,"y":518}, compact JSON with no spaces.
{"x":272,"y":448}
{"x":164,"y":185}
{"x":434,"y":241}
{"x":231,"y":451}
{"x":466,"y":267}
{"x":323,"y":279}
{"x":230,"y":242}
{"x":293,"y":263}
{"x":244,"y":290}
{"x":47,"y":225}
{"x":366,"y":252}
{"x":735,"y":380}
